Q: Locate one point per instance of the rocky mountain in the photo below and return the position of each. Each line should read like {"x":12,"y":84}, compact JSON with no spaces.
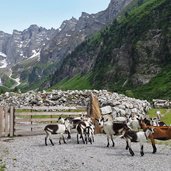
{"x":4,"y":38}
{"x":73,"y":32}
{"x":23,"y":44}
{"x":129,"y":53}
{"x":20,"y":51}
{"x":52,"y":46}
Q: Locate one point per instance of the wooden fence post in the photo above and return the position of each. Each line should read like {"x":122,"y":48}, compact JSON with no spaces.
{"x":6,"y":121}
{"x":12,"y":121}
{"x":1,"y":120}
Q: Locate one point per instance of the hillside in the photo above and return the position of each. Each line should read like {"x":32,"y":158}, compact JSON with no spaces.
{"x":129,"y":56}
{"x":34,"y":54}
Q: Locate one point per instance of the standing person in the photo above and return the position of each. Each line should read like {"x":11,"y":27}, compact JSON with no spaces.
{"x":158,"y":115}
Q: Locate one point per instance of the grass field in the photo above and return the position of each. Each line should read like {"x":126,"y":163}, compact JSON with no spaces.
{"x":165,"y":115}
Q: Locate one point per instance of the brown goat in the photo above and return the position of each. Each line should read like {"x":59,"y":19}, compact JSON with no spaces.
{"x":160,"y":133}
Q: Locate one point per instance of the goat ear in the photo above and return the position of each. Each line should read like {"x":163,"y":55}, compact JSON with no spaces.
{"x":139,"y":118}
{"x":59,"y":117}
{"x":152,"y":129}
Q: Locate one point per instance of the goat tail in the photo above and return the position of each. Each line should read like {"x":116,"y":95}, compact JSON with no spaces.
{"x":48,"y":130}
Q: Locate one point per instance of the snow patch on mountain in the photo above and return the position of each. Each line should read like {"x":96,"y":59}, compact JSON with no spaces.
{"x":3,"y":54}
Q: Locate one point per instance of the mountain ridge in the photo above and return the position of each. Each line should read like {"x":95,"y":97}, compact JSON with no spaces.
{"x":129,"y":53}
{"x":52,"y":46}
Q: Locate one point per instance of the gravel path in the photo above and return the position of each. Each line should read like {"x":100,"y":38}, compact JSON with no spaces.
{"x":30,"y":154}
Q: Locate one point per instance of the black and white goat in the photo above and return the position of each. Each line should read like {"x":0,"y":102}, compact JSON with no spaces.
{"x":89,"y":133}
{"x":85,"y":129}
{"x":112,"y":128}
{"x":83,"y":126}
{"x":74,"y":121}
{"x":153,"y":122}
{"x":57,"y":129}
{"x":133,"y":136}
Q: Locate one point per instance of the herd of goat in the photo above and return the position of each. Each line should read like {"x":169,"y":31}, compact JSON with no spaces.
{"x":133,"y":129}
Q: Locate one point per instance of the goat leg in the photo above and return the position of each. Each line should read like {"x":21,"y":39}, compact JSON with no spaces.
{"x":46,"y":140}
{"x":113,"y":143}
{"x":86,"y":139}
{"x":63,"y":139}
{"x":51,"y":141}
{"x":77,"y":139}
{"x":69,"y":135}
{"x":142,"y":152}
{"x":90,"y":140}
{"x":127,"y":146}
{"x":107,"y":140}
{"x":153,"y":145}
{"x":60,"y":140}
{"x":130,"y":149}
{"x":83,"y":139}
{"x":131,"y":152}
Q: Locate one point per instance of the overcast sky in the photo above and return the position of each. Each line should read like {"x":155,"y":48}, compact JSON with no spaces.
{"x":20,"y":14}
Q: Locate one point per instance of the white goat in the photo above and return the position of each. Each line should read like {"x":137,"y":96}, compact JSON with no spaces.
{"x":111,"y":128}
{"x":133,"y":123}
{"x":133,"y":136}
{"x":56,"y":129}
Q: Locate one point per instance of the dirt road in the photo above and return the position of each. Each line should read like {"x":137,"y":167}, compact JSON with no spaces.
{"x":30,"y":154}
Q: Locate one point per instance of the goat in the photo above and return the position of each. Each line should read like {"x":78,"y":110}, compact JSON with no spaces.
{"x":67,"y":123}
{"x":111,"y":128}
{"x":160,"y":133}
{"x":157,"y":122}
{"x":133,"y":124}
{"x":133,"y":136}
{"x":57,"y":129}
{"x":154,"y":122}
{"x":73,"y":121}
{"x":85,"y":128}
{"x":89,"y":133}
{"x":80,"y":131}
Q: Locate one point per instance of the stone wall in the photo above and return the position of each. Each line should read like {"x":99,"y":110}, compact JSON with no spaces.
{"x":121,"y":105}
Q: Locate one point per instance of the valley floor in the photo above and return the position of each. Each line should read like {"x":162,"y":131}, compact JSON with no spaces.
{"x":30,"y":154}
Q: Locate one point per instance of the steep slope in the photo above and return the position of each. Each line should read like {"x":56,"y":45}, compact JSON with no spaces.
{"x":18,"y":48}
{"x":127,"y":54}
{"x":70,"y":34}
{"x":4,"y":38}
{"x":23,"y":44}
{"x":73,"y":32}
